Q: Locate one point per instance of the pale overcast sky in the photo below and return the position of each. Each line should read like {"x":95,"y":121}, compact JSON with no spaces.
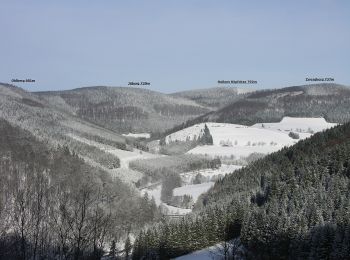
{"x":174,"y":45}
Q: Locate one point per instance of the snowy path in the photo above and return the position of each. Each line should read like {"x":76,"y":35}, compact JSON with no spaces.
{"x":125,"y":157}
{"x":195,"y":190}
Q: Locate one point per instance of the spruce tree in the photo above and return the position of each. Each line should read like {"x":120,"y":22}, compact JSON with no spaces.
{"x":206,"y":138}
{"x":127,"y":247}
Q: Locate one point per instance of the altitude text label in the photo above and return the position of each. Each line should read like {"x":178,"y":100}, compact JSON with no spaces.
{"x":142,"y":83}
{"x":237,"y":81}
{"x":319,"y":79}
{"x":23,"y":80}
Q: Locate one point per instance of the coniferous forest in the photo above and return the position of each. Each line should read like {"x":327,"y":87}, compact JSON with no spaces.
{"x":292,"y":204}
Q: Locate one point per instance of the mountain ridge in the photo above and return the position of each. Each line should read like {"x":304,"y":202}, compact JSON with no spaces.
{"x":331,"y":101}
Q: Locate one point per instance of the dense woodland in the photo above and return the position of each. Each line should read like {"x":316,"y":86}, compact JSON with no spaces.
{"x":292,"y":204}
{"x":54,"y":206}
{"x":213,"y":97}
{"x":126,"y":109}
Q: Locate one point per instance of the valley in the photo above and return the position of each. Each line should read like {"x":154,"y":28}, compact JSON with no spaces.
{"x":169,"y":175}
{"x":187,"y":130}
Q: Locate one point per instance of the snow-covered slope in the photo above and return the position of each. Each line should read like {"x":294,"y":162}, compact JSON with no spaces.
{"x":195,"y":190}
{"x":222,"y":132}
{"x":236,"y":141}
{"x":209,"y":174}
{"x":234,"y":250}
{"x":124,"y":172}
{"x":155,"y":192}
{"x":140,"y":135}
{"x":300,"y":125}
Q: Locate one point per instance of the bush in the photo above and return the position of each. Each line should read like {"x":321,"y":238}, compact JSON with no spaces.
{"x":293,"y":135}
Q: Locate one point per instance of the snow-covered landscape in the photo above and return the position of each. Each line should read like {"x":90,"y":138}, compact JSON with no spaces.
{"x":187,"y":130}
{"x":230,"y":141}
{"x":237,"y":141}
{"x":123,"y":172}
{"x":225,"y":250}
{"x":299,"y":125}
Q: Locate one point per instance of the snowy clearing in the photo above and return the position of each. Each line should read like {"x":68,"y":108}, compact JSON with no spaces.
{"x":140,"y":135}
{"x":210,"y":174}
{"x":217,"y":252}
{"x":298,"y":124}
{"x":195,"y":190}
{"x":237,"y":141}
{"x":124,"y":172}
{"x":155,"y":193}
{"x":124,"y":156}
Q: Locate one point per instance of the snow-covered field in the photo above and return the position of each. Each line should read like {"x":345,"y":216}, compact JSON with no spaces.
{"x":210,"y":253}
{"x":195,"y":190}
{"x":140,"y":135}
{"x":210,"y":174}
{"x":217,"y":252}
{"x":155,"y":193}
{"x":237,"y":141}
{"x":124,"y":156}
{"x":298,"y":125}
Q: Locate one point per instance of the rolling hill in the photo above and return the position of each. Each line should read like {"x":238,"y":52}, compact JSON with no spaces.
{"x":330,"y":101}
{"x":214,"y":97}
{"x":57,"y":127}
{"x":125,"y":109}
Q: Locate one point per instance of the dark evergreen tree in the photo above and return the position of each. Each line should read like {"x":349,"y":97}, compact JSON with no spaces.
{"x":127,"y":247}
{"x":206,"y":138}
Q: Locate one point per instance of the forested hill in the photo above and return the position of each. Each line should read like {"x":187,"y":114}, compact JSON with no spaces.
{"x":54,"y":206}
{"x":217,"y":97}
{"x":126,"y":109}
{"x":331,"y":101}
{"x":292,"y":204}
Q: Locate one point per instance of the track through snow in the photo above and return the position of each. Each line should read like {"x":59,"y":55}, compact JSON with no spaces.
{"x":124,"y":172}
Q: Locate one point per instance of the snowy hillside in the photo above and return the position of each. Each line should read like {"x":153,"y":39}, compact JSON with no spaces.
{"x":155,"y":193}
{"x":237,"y":141}
{"x":300,"y":125}
{"x":230,"y":250}
{"x":140,"y":135}
{"x":195,"y":190}
{"x":124,"y":173}
{"x":209,"y":174}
